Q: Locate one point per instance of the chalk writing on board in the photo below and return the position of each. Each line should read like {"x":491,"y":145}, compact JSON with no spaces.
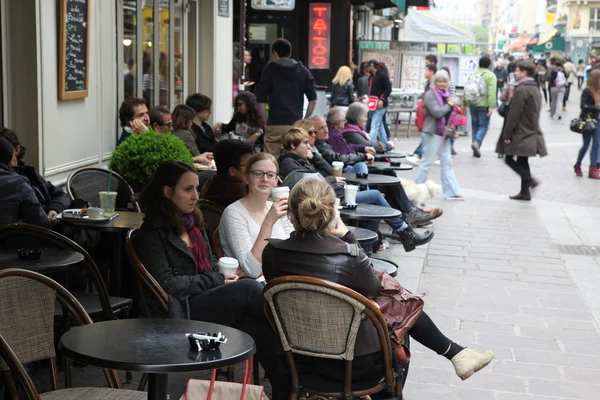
{"x":76,"y":45}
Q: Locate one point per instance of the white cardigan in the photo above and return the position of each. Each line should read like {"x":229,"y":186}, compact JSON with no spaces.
{"x":238,"y":232}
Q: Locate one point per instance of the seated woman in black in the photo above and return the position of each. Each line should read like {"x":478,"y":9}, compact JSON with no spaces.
{"x":174,"y":247}
{"x":321,"y":246}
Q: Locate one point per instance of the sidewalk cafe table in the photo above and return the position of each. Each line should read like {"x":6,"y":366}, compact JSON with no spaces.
{"x":372,"y":180}
{"x":154,"y":346}
{"x":386,"y":166}
{"x":117,"y":228}
{"x":388,"y":154}
{"x":380,"y":264}
{"x":52,"y":260}
{"x":363,"y":236}
{"x":370,"y":211}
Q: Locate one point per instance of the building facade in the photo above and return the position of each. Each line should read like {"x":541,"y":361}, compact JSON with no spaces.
{"x":160,"y":50}
{"x":582,"y":28}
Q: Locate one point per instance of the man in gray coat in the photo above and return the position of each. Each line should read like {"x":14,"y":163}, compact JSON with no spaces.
{"x":522,"y":137}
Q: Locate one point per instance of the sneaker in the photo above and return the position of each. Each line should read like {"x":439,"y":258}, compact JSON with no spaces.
{"x":411,"y":239}
{"x":453,"y":151}
{"x":475,"y":147}
{"x":413,"y":160}
{"x":437,"y":162}
{"x":455,"y":198}
{"x":564,"y":109}
{"x":468,"y":361}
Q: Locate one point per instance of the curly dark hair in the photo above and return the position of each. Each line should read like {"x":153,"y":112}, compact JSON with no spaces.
{"x":252,"y":117}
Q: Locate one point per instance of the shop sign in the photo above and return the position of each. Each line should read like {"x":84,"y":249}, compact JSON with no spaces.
{"x":274,"y":5}
{"x":374,"y":45}
{"x":319,"y":35}
{"x":223,"y":8}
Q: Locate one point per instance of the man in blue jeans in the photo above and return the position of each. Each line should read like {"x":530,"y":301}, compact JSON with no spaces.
{"x":482,"y":111}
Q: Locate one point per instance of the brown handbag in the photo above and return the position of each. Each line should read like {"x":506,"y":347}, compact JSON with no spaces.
{"x":401,"y":309}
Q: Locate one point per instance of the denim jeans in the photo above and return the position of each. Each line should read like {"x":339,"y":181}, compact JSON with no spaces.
{"x":419,"y":150}
{"x":377,"y":131}
{"x":375,"y":197}
{"x":479,"y":123}
{"x":431,"y":146}
{"x":594,"y":153}
{"x":358,"y":168}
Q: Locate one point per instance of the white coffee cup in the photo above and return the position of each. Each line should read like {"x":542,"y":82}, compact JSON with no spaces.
{"x":337,"y":203}
{"x":281,"y":191}
{"x":95,"y":212}
{"x":338,"y":168}
{"x":350,"y":194}
{"x":228,"y":265}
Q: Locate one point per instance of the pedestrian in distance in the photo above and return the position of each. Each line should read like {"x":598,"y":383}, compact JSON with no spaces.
{"x":522,"y":137}
{"x":342,"y":93}
{"x":590,"y":105}
{"x":480,"y":96}
{"x":557,"y":82}
{"x":571,"y":71}
{"x":380,"y":87}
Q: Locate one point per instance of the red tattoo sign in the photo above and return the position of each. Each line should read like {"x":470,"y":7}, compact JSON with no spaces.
{"x":319,"y":35}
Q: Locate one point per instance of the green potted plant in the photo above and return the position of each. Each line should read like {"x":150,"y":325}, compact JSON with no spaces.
{"x":139,"y":156}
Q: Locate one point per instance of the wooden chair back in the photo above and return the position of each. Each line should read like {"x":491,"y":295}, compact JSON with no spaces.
{"x":319,"y":318}
{"x":147,"y":283}
{"x":16,"y":235}
{"x":212,"y":213}
{"x":27,"y":315}
{"x":86,"y":183}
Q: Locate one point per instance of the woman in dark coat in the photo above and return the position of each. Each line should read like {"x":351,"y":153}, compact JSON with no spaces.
{"x":521,"y":136}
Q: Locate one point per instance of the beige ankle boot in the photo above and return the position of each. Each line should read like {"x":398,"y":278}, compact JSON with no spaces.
{"x":468,"y":361}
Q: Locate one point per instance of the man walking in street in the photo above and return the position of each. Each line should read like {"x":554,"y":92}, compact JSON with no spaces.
{"x":283,"y":84}
{"x":430,"y":70}
{"x":480,"y":95}
{"x":501,"y":77}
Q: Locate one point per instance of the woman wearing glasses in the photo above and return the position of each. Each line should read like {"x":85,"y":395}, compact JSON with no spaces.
{"x":247,"y":223}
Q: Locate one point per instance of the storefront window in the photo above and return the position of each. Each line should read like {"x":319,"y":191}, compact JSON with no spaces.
{"x":178,"y":19}
{"x":148,"y":52}
{"x":130,"y":44}
{"x":163,"y":59}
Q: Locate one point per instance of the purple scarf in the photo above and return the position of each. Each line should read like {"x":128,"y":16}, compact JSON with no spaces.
{"x":199,"y":247}
{"x":441,"y":96}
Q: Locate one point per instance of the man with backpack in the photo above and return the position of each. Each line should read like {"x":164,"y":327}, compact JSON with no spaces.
{"x":480,"y":96}
{"x":558,"y":84}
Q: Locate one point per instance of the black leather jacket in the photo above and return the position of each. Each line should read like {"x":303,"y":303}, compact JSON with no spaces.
{"x":342,"y":95}
{"x":327,"y":257}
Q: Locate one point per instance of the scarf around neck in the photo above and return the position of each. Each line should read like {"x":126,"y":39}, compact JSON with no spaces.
{"x":199,"y":248}
{"x":523,"y":80}
{"x":442,"y":97}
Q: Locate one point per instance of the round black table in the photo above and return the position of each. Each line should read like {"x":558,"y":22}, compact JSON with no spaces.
{"x":370,"y":211}
{"x":154,"y":346}
{"x":379,"y":264}
{"x":389,"y":154}
{"x":372,"y":180}
{"x":384,"y":165}
{"x":363,"y":236}
{"x":117,"y":228}
{"x":52,"y":260}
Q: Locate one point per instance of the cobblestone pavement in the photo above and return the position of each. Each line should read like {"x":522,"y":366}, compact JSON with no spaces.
{"x":522,"y":279}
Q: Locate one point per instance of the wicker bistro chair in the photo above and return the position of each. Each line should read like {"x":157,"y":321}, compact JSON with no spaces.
{"x":86,"y":183}
{"x":318,"y":318}
{"x":27,"y":315}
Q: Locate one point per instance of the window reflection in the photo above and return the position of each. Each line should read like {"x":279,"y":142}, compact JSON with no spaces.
{"x":163,"y":61}
{"x":129,"y":48}
{"x":178,"y":50}
{"x":148,"y":58}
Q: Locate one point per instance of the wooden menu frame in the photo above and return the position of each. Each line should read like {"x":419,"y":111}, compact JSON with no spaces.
{"x":64,"y":94}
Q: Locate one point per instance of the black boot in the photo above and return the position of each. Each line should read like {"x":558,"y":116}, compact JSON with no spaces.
{"x":411,"y":239}
{"x":524,"y":195}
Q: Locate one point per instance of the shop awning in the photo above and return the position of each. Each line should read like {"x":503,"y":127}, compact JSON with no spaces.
{"x":556,"y":44}
{"x":520,"y":44}
{"x":421,"y":26}
{"x":545,"y":37}
{"x":379,"y":4}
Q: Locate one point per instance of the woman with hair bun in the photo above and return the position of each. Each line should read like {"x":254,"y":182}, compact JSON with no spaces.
{"x":322,"y":247}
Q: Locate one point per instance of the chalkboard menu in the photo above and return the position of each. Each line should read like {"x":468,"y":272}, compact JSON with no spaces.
{"x":74,"y":49}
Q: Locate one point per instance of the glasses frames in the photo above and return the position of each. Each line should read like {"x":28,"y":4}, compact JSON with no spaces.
{"x":260,"y":174}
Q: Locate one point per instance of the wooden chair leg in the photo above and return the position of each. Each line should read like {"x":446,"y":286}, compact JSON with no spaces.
{"x":143,"y":382}
{"x":256,"y":374}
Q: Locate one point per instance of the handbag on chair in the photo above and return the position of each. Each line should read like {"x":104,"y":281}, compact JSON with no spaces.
{"x":213,"y":390}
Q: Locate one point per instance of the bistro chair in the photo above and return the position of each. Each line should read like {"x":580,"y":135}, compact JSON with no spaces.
{"x":86,"y":183}
{"x":318,"y":318}
{"x":212,"y":213}
{"x":27,"y":335}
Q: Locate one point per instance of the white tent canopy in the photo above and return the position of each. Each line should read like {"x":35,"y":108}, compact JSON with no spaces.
{"x":422,"y":27}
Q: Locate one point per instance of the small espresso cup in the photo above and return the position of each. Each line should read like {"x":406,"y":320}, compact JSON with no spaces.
{"x":95,"y":212}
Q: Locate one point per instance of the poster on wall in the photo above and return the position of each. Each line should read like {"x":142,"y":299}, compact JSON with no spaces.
{"x":413,"y":67}
{"x":452,"y":64}
{"x":274,"y":5}
{"x":467,"y":65}
{"x":388,"y":58}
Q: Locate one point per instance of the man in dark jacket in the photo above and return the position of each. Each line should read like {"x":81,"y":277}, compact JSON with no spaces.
{"x":18,"y":202}
{"x":380,"y":87}
{"x":283,"y":84}
{"x":134,"y":118}
{"x":501,"y":77}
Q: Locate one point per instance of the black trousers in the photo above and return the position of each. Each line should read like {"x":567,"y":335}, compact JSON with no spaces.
{"x":567,"y":92}
{"x":521,"y":167}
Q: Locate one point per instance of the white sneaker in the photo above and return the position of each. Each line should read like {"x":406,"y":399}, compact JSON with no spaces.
{"x":437,"y":162}
{"x":413,"y":160}
{"x":468,"y":361}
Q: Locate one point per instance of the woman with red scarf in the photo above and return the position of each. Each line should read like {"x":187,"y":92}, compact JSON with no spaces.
{"x":174,"y":247}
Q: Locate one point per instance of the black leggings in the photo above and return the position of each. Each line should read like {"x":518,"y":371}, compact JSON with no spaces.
{"x":427,"y":333}
{"x":580,"y":80}
{"x":545,"y":91}
{"x":521,"y":167}
{"x":567,"y":92}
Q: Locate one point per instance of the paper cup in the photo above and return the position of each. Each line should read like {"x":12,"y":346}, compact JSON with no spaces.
{"x":228,"y":265}
{"x":107,"y":202}
{"x":282,"y":191}
{"x":350,"y":194}
{"x":338,"y":168}
{"x":95,"y":212}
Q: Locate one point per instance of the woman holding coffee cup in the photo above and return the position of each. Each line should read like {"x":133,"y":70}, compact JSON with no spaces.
{"x":173,"y":245}
{"x":247,"y":223}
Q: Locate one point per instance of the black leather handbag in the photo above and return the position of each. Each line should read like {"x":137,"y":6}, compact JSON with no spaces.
{"x":585,"y":125}
{"x":503,"y":109}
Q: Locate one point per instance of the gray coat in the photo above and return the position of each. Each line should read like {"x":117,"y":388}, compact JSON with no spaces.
{"x":522,"y":125}
{"x":433,"y":112}
{"x":167,"y":257}
{"x":189,"y":141}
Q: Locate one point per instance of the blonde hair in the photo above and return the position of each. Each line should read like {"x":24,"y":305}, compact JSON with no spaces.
{"x":294,"y":137}
{"x":305,"y":124}
{"x":344,"y":74}
{"x":261,"y":157}
{"x":312,"y":202}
